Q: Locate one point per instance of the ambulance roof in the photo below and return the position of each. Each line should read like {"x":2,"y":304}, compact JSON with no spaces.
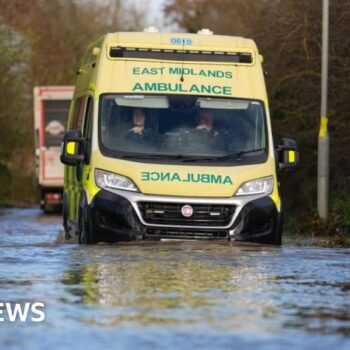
{"x":179,"y":40}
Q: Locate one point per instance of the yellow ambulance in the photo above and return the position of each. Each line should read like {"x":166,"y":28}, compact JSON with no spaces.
{"x":169,"y":137}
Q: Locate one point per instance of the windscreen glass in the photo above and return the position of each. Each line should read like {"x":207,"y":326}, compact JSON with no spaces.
{"x":182,"y":128}
{"x":55,"y":116}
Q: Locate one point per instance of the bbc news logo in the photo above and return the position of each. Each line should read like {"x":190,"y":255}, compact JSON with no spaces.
{"x":23,"y":312}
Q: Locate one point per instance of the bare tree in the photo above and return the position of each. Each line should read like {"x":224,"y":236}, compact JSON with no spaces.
{"x":288,"y":34}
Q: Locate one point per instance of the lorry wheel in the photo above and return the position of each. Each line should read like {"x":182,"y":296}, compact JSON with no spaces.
{"x":86,"y":235}
{"x":47,"y":208}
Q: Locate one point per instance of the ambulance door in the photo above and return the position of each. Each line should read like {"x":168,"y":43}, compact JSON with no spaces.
{"x":83,"y":169}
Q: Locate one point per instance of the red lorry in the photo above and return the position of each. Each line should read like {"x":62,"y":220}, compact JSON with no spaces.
{"x":51,"y":108}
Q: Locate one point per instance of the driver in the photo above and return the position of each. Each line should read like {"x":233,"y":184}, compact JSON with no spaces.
{"x":138,"y":119}
{"x":138,"y":132}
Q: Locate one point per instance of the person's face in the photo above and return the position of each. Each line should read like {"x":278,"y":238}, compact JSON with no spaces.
{"x":138,"y":117}
{"x":206,"y":119}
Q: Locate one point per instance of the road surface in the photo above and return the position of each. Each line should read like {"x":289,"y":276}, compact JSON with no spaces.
{"x":173,"y":295}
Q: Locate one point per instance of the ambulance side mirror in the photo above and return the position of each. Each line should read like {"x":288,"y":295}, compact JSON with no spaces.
{"x":287,"y":155}
{"x":72,"y":149}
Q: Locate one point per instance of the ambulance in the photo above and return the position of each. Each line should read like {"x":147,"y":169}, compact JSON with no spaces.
{"x":169,"y":137}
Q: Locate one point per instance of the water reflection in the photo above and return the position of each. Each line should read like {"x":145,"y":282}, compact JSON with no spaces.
{"x":250,"y":289}
{"x":184,"y":283}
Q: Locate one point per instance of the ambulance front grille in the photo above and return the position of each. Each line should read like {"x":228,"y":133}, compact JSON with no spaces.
{"x":209,"y":215}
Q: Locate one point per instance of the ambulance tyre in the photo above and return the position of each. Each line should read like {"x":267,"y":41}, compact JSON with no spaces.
{"x":85,"y":234}
{"x":278,"y":240}
{"x":65,"y":218}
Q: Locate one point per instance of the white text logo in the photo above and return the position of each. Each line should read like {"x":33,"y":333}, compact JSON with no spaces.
{"x":22,"y":312}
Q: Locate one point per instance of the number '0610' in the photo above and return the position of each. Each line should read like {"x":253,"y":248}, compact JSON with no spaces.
{"x":181,"y":41}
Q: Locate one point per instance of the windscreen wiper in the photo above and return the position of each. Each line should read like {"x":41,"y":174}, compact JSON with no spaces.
{"x":199,"y":159}
{"x":189,"y":159}
{"x":179,"y":157}
{"x":154,"y":156}
{"x":238,"y":155}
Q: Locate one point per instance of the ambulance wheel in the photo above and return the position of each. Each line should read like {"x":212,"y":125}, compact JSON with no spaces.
{"x":85,"y":233}
{"x":278,"y":240}
{"x":279,"y":230}
{"x":65,"y":218}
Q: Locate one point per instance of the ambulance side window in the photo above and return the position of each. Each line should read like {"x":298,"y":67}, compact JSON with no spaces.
{"x":78,"y":113}
{"x":87,"y":128}
{"x":87,"y":131}
{"x":81,"y":114}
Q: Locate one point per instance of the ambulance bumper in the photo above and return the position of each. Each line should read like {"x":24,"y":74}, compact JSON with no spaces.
{"x":125,"y":216}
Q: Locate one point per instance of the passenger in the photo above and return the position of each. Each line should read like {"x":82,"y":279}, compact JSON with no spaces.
{"x":205,"y":123}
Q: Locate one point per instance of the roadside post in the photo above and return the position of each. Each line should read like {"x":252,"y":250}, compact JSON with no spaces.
{"x":323,"y":137}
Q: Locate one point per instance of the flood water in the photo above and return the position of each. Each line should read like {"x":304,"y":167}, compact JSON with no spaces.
{"x":173,"y":295}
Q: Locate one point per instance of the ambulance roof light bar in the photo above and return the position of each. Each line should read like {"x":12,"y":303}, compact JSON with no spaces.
{"x":180,"y":55}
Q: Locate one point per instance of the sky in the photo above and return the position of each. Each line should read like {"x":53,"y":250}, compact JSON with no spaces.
{"x":154,"y":15}
{"x":153,"y":11}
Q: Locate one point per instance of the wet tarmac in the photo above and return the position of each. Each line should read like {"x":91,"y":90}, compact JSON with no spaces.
{"x":173,"y":295}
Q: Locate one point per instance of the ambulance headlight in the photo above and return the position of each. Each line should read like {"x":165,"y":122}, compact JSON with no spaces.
{"x":258,"y":186}
{"x":107,"y":180}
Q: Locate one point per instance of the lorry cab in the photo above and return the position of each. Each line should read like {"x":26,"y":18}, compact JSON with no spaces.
{"x":169,"y":137}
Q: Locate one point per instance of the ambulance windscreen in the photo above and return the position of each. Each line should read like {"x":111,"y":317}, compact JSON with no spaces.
{"x":183,"y":128}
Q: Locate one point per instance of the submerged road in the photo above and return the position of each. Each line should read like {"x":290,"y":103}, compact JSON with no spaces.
{"x":174,"y":295}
